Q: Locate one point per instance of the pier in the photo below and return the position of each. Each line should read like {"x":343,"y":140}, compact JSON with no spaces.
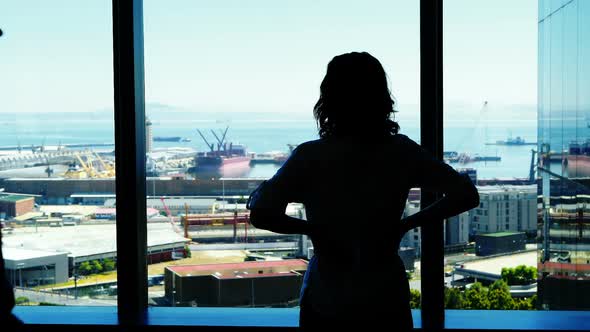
{"x":23,"y":160}
{"x":60,"y":146}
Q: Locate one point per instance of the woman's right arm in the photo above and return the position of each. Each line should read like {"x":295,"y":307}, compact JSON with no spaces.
{"x":431,"y":175}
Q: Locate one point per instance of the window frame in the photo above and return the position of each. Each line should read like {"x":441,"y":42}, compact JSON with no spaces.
{"x":132,"y":309}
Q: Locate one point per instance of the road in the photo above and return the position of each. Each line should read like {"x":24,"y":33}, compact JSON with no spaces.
{"x":37,"y":296}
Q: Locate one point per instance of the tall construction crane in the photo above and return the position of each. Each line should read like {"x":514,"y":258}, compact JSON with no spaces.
{"x":464,"y":157}
{"x":174,"y":226}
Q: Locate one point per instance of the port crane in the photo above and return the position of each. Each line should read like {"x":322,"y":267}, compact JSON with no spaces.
{"x":85,"y":172}
{"x":221,"y":142}
{"x":210,"y":146}
{"x":108,"y":170}
{"x":88,"y":170}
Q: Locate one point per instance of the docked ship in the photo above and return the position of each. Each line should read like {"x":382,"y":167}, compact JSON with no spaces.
{"x":171,"y":139}
{"x":221,"y":157}
{"x":463,"y":158}
{"x":578,"y":159}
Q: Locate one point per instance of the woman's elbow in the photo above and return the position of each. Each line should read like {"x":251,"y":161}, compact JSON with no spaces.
{"x":256,"y":218}
{"x":471,"y":197}
{"x":260,"y":218}
{"x":465,"y":196}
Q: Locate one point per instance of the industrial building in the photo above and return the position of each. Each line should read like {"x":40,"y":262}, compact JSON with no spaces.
{"x":29,"y":268}
{"x":93,"y":242}
{"x":60,"y":190}
{"x":111,"y":213}
{"x":499,"y":243}
{"x":15,"y":205}
{"x":505,"y":208}
{"x":456,"y":229}
{"x":178,"y":205}
{"x":247,"y":284}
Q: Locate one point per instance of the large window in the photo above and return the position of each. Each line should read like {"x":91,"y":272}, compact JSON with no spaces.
{"x":228,"y":97}
{"x":57,"y":152}
{"x":490,"y":131}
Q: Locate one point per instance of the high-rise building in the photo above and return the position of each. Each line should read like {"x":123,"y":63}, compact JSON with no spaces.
{"x":149,"y":138}
{"x":457,"y":229}
{"x":564,"y":154}
{"x":507,"y":208}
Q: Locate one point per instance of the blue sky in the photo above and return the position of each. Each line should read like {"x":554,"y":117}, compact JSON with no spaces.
{"x":267,"y":56}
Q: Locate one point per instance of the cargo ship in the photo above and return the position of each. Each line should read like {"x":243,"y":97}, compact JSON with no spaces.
{"x":171,"y":139}
{"x":463,"y":158}
{"x":273,"y":157}
{"x":221,"y":157}
{"x":513,"y":141}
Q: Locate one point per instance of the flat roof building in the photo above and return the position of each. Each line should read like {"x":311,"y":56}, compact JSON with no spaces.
{"x":15,"y":205}
{"x":29,"y":268}
{"x":247,"y":284}
{"x":510,"y":208}
{"x":498,"y":243}
{"x":89,"y":242}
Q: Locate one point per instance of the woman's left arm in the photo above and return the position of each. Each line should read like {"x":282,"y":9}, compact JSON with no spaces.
{"x":278,"y":222}
{"x":269,"y":201}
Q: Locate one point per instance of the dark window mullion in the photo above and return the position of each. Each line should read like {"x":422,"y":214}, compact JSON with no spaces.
{"x":130,"y":160}
{"x":431,"y":138}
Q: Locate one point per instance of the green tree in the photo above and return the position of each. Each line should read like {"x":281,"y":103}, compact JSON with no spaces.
{"x":476,"y":297}
{"x":50,"y":304}
{"x":508,"y":275}
{"x":187,"y":251}
{"x":85,"y":268}
{"x":96,"y":266}
{"x":454,"y":298}
{"x":520,"y":275}
{"x":533,"y":301}
{"x":415,"y":299}
{"x":522,"y":304}
{"x":499,"y":296}
{"x":108,"y":264}
{"x":21,"y":300}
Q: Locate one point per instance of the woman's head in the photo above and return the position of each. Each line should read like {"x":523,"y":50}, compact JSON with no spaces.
{"x":354,"y":98}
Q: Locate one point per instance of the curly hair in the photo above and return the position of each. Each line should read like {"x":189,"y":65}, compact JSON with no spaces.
{"x":355,"y":98}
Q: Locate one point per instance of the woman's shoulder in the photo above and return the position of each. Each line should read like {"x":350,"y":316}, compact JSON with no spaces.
{"x":321,"y":144}
{"x":307,"y":146}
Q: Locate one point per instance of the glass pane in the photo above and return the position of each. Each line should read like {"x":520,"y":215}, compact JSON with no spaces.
{"x":230,"y":90}
{"x":490,"y":52}
{"x":564,"y":255}
{"x":57,"y":152}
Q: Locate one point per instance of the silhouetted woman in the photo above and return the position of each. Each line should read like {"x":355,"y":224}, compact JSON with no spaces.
{"x":354,"y":183}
